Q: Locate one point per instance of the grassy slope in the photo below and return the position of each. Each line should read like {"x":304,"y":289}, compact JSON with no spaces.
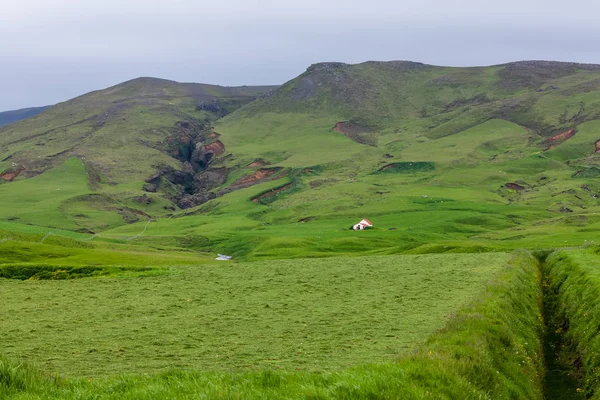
{"x":480,"y":127}
{"x":468,"y":359}
{"x":113,"y":129}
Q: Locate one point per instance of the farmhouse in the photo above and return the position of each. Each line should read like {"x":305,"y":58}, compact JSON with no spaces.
{"x":362,"y":225}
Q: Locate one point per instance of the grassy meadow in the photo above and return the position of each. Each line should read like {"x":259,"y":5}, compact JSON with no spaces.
{"x":467,"y":358}
{"x":110,"y":289}
{"x":326,"y":314}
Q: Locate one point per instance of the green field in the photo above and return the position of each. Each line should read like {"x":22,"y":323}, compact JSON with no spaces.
{"x":317,"y":315}
{"x":477,"y":280}
{"x":466,"y":358}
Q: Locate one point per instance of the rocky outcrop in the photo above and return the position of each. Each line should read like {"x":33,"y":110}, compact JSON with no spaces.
{"x":143,"y":199}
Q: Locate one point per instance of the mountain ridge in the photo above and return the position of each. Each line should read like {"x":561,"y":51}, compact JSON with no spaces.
{"x":479,"y":153}
{"x":12,"y":116}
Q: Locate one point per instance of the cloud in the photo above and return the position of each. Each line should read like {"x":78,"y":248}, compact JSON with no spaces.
{"x":56,"y":50}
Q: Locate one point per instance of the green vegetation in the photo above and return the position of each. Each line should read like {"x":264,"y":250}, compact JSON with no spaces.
{"x":404,"y":167}
{"x":490,"y":348}
{"x":574,"y":281}
{"x":56,"y":272}
{"x":327,"y":314}
{"x":114,"y":205}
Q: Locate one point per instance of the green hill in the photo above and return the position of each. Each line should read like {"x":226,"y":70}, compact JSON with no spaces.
{"x":114,"y":205}
{"x":8,"y":117}
{"x":119,"y":130}
{"x":483,"y":157}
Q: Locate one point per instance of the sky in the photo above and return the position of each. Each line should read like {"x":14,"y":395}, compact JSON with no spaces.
{"x":54,"y":50}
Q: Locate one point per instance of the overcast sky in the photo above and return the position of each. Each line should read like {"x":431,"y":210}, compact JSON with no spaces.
{"x":53,"y":50}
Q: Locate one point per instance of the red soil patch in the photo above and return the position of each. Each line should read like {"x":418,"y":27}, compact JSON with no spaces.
{"x":597,"y":146}
{"x":257,"y":163}
{"x":271,"y":193}
{"x":11,"y":174}
{"x":214,"y":135}
{"x":256,"y":177}
{"x":514,"y":186}
{"x":557,"y":139}
{"x":216,"y":147}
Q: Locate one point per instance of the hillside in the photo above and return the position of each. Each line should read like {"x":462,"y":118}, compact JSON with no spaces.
{"x":115,"y":204}
{"x":8,"y":117}
{"x":490,"y":155}
{"x":109,"y":127}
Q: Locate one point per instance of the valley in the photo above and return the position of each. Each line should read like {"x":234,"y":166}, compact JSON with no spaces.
{"x":477,"y":279}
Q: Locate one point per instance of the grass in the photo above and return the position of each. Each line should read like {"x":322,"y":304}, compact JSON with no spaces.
{"x":469,"y":175}
{"x":36,"y":201}
{"x":467,"y":359}
{"x":329,"y":314}
{"x":574,"y":281}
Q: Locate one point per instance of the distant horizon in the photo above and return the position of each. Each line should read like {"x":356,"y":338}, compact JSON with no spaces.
{"x":36,"y":105}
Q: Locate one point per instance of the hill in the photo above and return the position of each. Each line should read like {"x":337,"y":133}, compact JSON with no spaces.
{"x":491,"y":155}
{"x":110,"y":126}
{"x":115,"y":204}
{"x":8,"y":117}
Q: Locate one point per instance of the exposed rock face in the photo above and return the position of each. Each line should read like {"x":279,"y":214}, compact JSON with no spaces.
{"x":150,"y":187}
{"x":143,"y":199}
{"x":196,"y":145}
{"x":189,"y":201}
{"x":217,"y":147}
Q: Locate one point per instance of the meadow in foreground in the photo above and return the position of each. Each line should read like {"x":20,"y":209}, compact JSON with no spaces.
{"x":490,"y":348}
{"x":316,"y":314}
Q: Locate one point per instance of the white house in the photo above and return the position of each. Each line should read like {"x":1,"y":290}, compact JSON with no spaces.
{"x":362,"y":225}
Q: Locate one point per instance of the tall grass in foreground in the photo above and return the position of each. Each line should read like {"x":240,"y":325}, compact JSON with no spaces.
{"x":574,"y":279}
{"x":489,"y":350}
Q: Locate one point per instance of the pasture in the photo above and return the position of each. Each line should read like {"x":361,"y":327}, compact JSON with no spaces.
{"x":321,"y":314}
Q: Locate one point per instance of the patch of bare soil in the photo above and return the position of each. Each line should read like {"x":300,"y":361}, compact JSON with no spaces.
{"x":597,"y":144}
{"x":259,"y":162}
{"x":217,"y":147}
{"x":514,"y":186}
{"x":257,"y":177}
{"x":11,"y":174}
{"x":557,"y":139}
{"x":271,"y":193}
